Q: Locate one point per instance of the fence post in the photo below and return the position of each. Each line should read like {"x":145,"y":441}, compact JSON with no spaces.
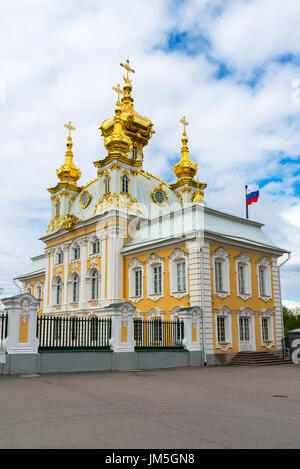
{"x":191,"y":319}
{"x":22,"y":317}
{"x":122,"y":328}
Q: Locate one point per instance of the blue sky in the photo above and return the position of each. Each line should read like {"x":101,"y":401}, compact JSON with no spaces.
{"x":234,"y":75}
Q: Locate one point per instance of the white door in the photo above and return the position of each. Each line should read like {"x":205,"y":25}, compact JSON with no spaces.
{"x":245,"y":338}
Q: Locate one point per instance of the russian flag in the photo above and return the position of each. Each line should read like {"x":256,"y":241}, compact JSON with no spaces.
{"x":252,"y":196}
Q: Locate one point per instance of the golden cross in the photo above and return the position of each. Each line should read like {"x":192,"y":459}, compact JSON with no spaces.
{"x":128,"y":69}
{"x":184,"y":122}
{"x":118,"y":90}
{"x":69,"y":126}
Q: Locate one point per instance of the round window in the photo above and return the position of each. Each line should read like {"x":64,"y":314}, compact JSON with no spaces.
{"x":159,"y":196}
{"x":84,"y":199}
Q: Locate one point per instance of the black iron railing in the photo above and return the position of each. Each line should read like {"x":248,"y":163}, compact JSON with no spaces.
{"x":73,"y":333}
{"x":3,"y":325}
{"x":156,"y":333}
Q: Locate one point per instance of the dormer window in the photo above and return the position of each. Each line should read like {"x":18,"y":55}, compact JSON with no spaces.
{"x":134,"y":153}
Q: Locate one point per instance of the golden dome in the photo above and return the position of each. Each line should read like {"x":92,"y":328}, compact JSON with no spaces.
{"x":137,"y":128}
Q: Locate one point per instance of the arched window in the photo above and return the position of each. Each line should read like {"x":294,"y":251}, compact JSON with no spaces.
{"x":75,"y":288}
{"x":57,"y":208}
{"x":134,"y":153}
{"x":125,"y":184}
{"x":107,"y":184}
{"x":95,"y":285}
{"x":58,"y":291}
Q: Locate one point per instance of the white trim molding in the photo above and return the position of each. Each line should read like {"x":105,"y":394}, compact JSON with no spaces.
{"x":221,"y":256}
{"x":267,"y":315}
{"x":134,"y":266}
{"x":152,"y":262}
{"x":243,"y":261}
{"x":226,"y":313}
{"x":264,"y":265}
{"x":177,"y":256}
{"x":247,"y":312}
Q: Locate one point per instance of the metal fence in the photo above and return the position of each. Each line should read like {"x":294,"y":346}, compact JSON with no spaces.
{"x":3,"y":325}
{"x":73,"y":333}
{"x":155,"y":333}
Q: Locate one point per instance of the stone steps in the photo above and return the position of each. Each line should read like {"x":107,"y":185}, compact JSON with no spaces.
{"x":258,"y":359}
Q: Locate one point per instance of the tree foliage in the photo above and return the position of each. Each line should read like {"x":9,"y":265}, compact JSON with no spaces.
{"x":291,"y":320}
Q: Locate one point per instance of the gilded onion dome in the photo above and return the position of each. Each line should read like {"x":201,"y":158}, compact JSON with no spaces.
{"x":185,"y":168}
{"x":68,"y":172}
{"x":137,"y":128}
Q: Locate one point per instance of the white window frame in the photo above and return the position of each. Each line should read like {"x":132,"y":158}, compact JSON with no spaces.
{"x":71,"y":287}
{"x":226,"y":313}
{"x":264,"y":264}
{"x":222,"y":256}
{"x":248,"y":312}
{"x":59,"y":253}
{"x":135,"y":265}
{"x":244,"y":261}
{"x":176,"y":257}
{"x":38,"y":286}
{"x":269,"y":316}
{"x":93,"y":241}
{"x":56,"y":279}
{"x":153,"y":261}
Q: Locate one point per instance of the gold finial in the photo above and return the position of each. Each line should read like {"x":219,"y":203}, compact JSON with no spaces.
{"x":69,"y":126}
{"x":184,"y":122}
{"x":119,"y":91}
{"x":128,"y":69}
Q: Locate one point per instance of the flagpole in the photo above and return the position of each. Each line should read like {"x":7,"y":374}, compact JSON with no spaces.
{"x":247,"y":214}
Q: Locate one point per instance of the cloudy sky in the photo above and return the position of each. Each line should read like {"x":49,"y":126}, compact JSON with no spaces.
{"x":232,"y":67}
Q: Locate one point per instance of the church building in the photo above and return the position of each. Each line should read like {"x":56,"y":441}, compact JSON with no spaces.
{"x":129,"y":236}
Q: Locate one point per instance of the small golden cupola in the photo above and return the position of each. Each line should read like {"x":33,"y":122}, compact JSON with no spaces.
{"x":186,"y":188}
{"x":68,"y":173}
{"x":65,"y":191}
{"x":185,"y":168}
{"x":137,"y":128}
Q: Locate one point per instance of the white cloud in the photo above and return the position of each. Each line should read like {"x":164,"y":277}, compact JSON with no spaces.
{"x":61,"y":60}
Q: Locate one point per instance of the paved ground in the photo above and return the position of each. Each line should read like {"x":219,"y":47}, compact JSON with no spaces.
{"x":213,"y":407}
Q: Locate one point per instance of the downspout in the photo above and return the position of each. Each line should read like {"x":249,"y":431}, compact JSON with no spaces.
{"x":203,"y":308}
{"x":282,"y":322}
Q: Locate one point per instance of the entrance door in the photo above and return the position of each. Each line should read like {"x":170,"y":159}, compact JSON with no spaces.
{"x":245,"y":339}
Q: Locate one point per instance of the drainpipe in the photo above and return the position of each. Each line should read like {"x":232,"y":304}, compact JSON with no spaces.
{"x":203,"y":308}
{"x":280,"y":265}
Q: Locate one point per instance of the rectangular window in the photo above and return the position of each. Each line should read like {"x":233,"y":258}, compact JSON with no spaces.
{"x":241,"y":279}
{"x":96,"y":247}
{"x":221,"y":329}
{"x":262,"y":283}
{"x":244,"y":329}
{"x":181,"y":277}
{"x":60,"y":257}
{"x":138,"y":282}
{"x":157,"y":278}
{"x":218,"y":276}
{"x":265,"y":329}
{"x":157,"y":331}
{"x":77,"y":252}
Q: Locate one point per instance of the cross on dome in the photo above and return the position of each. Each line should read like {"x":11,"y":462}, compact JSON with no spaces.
{"x":128,"y":69}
